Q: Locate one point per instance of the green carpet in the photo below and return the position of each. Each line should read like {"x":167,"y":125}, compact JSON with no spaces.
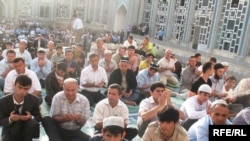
{"x":89,"y":126}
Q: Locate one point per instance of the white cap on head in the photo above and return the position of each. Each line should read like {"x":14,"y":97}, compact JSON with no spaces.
{"x":205,"y":88}
{"x":41,"y":50}
{"x":23,"y":40}
{"x":225,"y":64}
{"x":107,"y":51}
{"x":219,"y":101}
{"x":113,"y":121}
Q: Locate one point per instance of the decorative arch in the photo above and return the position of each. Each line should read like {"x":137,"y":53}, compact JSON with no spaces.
{"x":3,"y":8}
{"x":120,"y":18}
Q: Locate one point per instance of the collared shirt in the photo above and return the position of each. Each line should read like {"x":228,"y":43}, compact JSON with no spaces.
{"x":243,"y":88}
{"x":144,"y":79}
{"x":127,"y":44}
{"x":112,"y":64}
{"x":194,"y":110}
{"x":61,"y":106}
{"x":11,"y":77}
{"x":217,"y":85}
{"x":103,"y":109}
{"x":55,"y":58}
{"x":16,"y":103}
{"x":143,"y":65}
{"x":199,"y":130}
{"x":145,"y":105}
{"x":26,"y":55}
{"x":41,"y":72}
{"x":163,"y":63}
{"x":89,"y":75}
{"x":77,"y":24}
{"x":153,"y":133}
{"x":4,"y":66}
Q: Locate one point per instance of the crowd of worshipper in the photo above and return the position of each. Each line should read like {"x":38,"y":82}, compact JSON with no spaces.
{"x":77,"y":78}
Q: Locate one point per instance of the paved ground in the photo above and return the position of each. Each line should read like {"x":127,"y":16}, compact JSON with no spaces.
{"x":237,"y":67}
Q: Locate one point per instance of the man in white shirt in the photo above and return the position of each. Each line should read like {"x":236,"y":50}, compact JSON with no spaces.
{"x":78,"y":28}
{"x":20,"y":68}
{"x":6,"y":66}
{"x":112,"y":106}
{"x":92,"y":79}
{"x":130,"y":42}
{"x":196,"y":106}
{"x":22,"y":52}
{"x":166,"y":69}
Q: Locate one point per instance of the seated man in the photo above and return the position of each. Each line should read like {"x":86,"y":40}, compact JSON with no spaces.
{"x":112,"y":106}
{"x":69,"y":113}
{"x":196,"y":106}
{"x":41,"y":66}
{"x":146,"y":63}
{"x":145,"y":78}
{"x":243,"y":117}
{"x":241,"y":93}
{"x":166,"y":69}
{"x":6,"y":66}
{"x":167,"y":127}
{"x":20,"y":68}
{"x":149,"y":107}
{"x":71,"y":64}
{"x":108,"y":63}
{"x":54,"y":82}
{"x":218,"y":115}
{"x":126,"y":78}
{"x":113,"y":128}
{"x":19,"y":112}
{"x":92,"y":79}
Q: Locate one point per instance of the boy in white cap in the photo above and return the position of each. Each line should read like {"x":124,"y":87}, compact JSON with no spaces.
{"x":196,"y":106}
{"x":113,"y":129}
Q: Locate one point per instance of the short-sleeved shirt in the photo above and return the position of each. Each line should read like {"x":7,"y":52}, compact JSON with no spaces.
{"x":145,"y":105}
{"x":11,"y":77}
{"x":103,"y":109}
{"x":197,"y":83}
{"x":163,"y":63}
{"x":144,"y":79}
{"x":61,"y":106}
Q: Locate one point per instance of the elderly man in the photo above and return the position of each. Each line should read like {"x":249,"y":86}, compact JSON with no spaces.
{"x":166,"y":69}
{"x":98,"y":48}
{"x":68,"y":114}
{"x":127,"y":79}
{"x":108,"y":63}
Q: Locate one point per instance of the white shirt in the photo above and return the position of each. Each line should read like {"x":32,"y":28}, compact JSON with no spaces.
{"x":11,"y":77}
{"x":103,"y":109}
{"x":145,"y":105}
{"x":229,"y":92}
{"x":77,"y":24}
{"x":127,"y":44}
{"x":26,"y":55}
{"x":163,"y":63}
{"x":243,"y":88}
{"x":88,"y":75}
{"x":193,"y":110}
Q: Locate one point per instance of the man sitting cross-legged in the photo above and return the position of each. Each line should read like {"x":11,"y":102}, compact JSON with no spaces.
{"x":113,"y":106}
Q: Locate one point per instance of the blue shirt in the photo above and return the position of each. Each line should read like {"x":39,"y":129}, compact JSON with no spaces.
{"x":41,"y":72}
{"x":144,"y":79}
{"x":199,"y":130}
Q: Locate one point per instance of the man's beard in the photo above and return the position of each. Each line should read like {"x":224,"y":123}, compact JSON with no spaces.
{"x":216,"y":76}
